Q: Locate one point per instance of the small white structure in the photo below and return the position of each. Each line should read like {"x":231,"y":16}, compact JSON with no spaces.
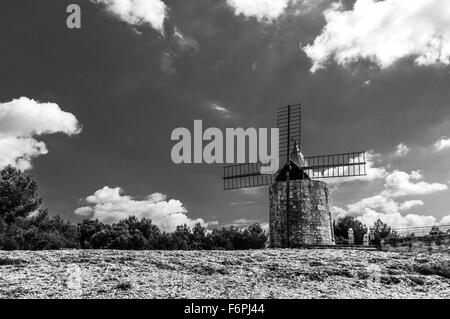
{"x":351,"y":236}
{"x":366,"y":240}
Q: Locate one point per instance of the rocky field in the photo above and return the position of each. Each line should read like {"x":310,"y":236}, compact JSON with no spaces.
{"x":315,"y":273}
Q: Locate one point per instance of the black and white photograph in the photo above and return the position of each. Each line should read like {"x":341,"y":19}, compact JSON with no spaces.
{"x":220,"y":155}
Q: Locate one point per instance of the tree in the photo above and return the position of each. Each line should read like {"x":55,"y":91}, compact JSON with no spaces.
{"x":435,"y":231}
{"x":150,"y":232}
{"x":198,"y":237}
{"x":182,"y":238}
{"x":18,"y":194}
{"x":38,"y":231}
{"x":165,"y":241}
{"x":342,"y":226}
{"x":224,"y":238}
{"x":382,"y":231}
{"x":253,"y":237}
{"x":88,"y":228}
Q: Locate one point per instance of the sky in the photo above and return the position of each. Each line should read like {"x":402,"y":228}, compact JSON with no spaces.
{"x":89,"y":112}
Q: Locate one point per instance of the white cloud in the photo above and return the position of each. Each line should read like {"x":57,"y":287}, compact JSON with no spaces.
{"x":138,"y":12}
{"x":401,"y":150}
{"x":385,"y":206}
{"x":399,"y":183}
{"x":242,"y":203}
{"x":442,"y":143}
{"x":109,"y":205}
{"x":21,"y":120}
{"x":373,"y":172}
{"x":268,"y":11}
{"x":384,"y":32}
{"x":397,"y":220}
{"x":370,"y":209}
{"x":244,"y":221}
{"x":260,"y":190}
{"x":338,"y":212}
{"x":262,"y":10}
{"x":19,"y":151}
{"x":265,"y":227}
{"x":407,"y":205}
{"x":24,"y":117}
{"x":381,"y":203}
{"x":445,"y":220}
{"x":219,"y":108}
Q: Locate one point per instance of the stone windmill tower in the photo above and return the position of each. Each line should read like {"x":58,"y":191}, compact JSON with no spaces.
{"x":298,"y":200}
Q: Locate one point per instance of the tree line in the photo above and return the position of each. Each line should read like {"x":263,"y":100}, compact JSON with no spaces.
{"x":25,"y":225}
{"x":380,"y":230}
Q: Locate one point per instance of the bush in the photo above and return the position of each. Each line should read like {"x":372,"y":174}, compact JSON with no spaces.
{"x":233,"y":238}
{"x":342,"y":226}
{"x":382,"y":231}
{"x":38,"y":232}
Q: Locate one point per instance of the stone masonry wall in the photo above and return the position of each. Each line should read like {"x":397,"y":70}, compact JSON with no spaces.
{"x":312,"y":225}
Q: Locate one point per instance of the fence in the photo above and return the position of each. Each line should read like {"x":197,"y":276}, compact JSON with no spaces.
{"x":430,"y":238}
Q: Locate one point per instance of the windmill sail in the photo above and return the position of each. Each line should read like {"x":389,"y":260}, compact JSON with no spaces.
{"x":315,"y":167}
{"x":245,"y":175}
{"x":299,"y":167}
{"x":289,"y":125}
{"x":336,"y":165}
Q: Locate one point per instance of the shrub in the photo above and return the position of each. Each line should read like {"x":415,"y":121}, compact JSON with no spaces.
{"x":342,"y":226}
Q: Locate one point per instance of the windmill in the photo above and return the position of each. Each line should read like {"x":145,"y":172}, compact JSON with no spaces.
{"x":298,"y":200}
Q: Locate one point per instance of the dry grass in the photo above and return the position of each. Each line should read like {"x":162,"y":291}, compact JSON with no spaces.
{"x":271,"y":273}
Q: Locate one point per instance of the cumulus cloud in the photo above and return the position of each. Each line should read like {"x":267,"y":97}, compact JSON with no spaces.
{"x":19,"y":152}
{"x":397,"y":220}
{"x":445,"y":220}
{"x":384,"y":32}
{"x":138,"y":12}
{"x":386,"y":205}
{"x":392,"y":216}
{"x":109,"y":205}
{"x":442,"y":143}
{"x":401,"y":150}
{"x":400,"y":183}
{"x":21,"y":120}
{"x":383,"y":203}
{"x":268,"y":11}
{"x":262,"y":10}
{"x":407,"y":205}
